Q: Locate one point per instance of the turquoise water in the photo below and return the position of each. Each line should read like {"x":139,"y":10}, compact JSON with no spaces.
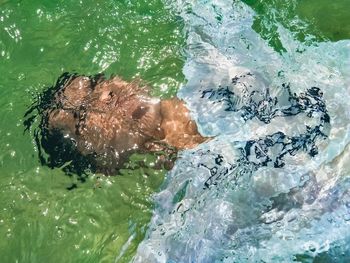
{"x":271,"y":83}
{"x":251,"y":213}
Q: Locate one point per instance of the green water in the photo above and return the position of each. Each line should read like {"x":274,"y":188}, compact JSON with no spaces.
{"x":310,"y":21}
{"x":106,"y":217}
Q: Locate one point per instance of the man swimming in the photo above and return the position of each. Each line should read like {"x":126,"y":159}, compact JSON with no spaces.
{"x":107,"y":120}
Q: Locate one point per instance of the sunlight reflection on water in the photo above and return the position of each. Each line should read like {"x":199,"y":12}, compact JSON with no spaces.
{"x":273,"y":184}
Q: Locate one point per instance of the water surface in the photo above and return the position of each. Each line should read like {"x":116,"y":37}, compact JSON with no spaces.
{"x":271,"y":84}
{"x":208,"y":209}
{"x":103,"y":219}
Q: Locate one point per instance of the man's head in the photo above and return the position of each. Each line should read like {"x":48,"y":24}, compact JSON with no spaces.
{"x":106,"y":121}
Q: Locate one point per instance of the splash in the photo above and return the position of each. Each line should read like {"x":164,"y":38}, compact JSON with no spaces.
{"x":273,"y":184}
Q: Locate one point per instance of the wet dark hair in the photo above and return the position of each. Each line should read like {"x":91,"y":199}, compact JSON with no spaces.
{"x":53,"y":149}
{"x":58,"y":151}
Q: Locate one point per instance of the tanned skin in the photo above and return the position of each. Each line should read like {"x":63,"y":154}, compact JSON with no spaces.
{"x":112,"y":119}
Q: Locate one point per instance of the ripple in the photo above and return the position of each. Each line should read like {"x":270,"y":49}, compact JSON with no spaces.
{"x":267,"y":188}
{"x":38,"y":42}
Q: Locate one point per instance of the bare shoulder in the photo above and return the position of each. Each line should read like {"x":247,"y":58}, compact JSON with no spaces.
{"x":180,"y":130}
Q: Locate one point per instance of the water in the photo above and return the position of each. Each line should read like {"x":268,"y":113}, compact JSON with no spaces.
{"x":103,"y":219}
{"x":272,"y":186}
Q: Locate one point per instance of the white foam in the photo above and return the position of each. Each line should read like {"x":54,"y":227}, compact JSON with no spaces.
{"x":249,"y":212}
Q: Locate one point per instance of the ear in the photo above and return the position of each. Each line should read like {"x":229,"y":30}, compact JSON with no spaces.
{"x":139,"y":112}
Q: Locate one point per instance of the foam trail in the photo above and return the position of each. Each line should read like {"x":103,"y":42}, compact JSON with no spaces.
{"x":274,"y":182}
